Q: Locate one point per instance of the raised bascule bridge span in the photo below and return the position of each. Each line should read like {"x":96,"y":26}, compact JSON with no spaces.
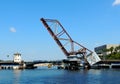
{"x":75,"y":52}
{"x":77,"y":55}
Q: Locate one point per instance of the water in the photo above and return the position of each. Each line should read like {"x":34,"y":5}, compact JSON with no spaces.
{"x":54,"y":76}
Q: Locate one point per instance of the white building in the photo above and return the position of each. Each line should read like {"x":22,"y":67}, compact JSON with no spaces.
{"x":17,"y":58}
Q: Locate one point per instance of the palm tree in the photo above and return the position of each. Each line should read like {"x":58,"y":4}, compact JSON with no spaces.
{"x":119,"y":48}
{"x":105,"y":51}
{"x":111,"y":50}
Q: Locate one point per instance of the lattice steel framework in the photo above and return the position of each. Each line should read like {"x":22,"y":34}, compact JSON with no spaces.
{"x":63,"y":39}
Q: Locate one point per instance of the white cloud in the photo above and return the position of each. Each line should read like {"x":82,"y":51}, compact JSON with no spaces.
{"x":12,"y":29}
{"x":116,"y":2}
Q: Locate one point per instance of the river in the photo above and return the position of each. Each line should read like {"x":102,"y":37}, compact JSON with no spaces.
{"x":55,"y":76}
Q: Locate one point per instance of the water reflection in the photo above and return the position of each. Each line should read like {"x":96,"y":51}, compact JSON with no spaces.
{"x":94,"y":77}
{"x":17,"y":74}
{"x":54,"y":76}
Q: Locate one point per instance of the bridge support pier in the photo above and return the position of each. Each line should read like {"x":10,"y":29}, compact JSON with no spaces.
{"x":71,"y":65}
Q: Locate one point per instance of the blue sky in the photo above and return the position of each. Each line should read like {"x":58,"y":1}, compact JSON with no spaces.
{"x":89,"y":22}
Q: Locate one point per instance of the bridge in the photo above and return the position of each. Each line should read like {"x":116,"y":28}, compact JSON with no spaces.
{"x":108,"y":62}
{"x":28,"y":65}
{"x":58,"y":63}
{"x":74,"y":51}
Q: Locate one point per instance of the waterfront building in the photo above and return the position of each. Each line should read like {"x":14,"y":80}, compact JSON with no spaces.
{"x":16,"y":63}
{"x":101,"y":50}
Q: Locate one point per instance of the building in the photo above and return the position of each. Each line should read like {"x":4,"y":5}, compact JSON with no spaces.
{"x":100,"y":50}
{"x":16,"y":63}
{"x":17,"y":58}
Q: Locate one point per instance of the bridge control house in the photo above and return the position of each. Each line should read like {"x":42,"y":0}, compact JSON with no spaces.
{"x":15,"y":64}
{"x":17,"y":58}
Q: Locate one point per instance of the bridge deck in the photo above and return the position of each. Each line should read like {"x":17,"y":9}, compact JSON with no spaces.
{"x":108,"y":61}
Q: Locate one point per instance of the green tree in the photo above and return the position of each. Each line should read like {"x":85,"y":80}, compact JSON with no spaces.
{"x":111,"y":49}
